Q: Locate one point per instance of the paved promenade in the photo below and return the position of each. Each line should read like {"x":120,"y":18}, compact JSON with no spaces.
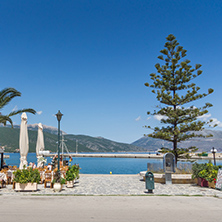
{"x":109,"y":209}
{"x":121,"y":198}
{"x":118,"y":185}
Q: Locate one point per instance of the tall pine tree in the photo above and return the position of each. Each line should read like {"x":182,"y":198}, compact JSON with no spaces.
{"x":174,"y":89}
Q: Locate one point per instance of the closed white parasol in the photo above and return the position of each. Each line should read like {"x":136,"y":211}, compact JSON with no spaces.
{"x":23,"y":142}
{"x":40,"y":145}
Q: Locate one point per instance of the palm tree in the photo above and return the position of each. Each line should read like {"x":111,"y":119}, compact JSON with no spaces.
{"x":6,"y":95}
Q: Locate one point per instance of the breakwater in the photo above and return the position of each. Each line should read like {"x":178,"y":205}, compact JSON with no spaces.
{"x":130,"y":155}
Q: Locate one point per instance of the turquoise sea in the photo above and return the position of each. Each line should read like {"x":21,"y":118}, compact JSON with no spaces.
{"x":90,"y":165}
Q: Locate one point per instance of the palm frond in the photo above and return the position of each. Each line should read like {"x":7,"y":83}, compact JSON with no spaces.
{"x":6,"y":95}
{"x":4,"y":119}
{"x":21,"y":111}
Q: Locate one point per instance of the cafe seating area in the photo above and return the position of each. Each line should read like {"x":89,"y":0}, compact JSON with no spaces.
{"x":46,"y":175}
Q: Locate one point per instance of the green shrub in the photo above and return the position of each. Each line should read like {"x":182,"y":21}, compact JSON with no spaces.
{"x":197,"y":168}
{"x":58,"y":179}
{"x":28,"y":175}
{"x":72,"y":173}
{"x":206,"y":171}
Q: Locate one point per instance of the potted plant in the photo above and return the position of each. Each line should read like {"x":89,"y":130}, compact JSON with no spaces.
{"x":70,"y":177}
{"x":26,"y":179}
{"x":71,"y":174}
{"x":203,"y":175}
{"x":196,"y":169}
{"x":209,"y":175}
{"x":58,"y":181}
{"x":212,"y":184}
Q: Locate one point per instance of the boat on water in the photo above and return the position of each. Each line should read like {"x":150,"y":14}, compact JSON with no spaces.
{"x":16,"y":151}
{"x":63,"y":156}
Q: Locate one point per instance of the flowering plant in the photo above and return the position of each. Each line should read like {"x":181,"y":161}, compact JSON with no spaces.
{"x":209,"y":173}
{"x":72,"y":173}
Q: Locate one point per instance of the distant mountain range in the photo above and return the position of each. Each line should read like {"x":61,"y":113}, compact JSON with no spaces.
{"x":204,"y":144}
{"x":9,"y":138}
{"x":100,"y":144}
{"x":34,"y":127}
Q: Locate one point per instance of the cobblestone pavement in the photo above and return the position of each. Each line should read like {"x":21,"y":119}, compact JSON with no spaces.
{"x":118,"y":185}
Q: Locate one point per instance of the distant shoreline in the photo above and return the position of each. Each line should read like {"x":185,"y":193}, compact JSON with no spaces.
{"x":143,"y":155}
{"x":135,"y":155}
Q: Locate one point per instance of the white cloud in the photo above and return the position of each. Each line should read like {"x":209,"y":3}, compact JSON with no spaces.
{"x":207,"y":117}
{"x":216,"y":121}
{"x":159,"y":117}
{"x":15,"y":108}
{"x":204,"y":117}
{"x":138,"y":118}
{"x":39,"y":112}
{"x":148,"y":118}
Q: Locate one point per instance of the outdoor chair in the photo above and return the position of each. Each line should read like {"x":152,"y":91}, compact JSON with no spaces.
{"x":48,"y":178}
{"x":9,"y":177}
{"x":2,"y":183}
{"x":3,"y":178}
{"x":41,"y":172}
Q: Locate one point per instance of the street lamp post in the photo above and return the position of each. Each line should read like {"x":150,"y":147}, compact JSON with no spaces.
{"x":59,"y":117}
{"x":213,"y":151}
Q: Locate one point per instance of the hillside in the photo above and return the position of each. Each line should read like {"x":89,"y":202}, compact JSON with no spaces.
{"x":34,"y":127}
{"x":99,"y":144}
{"x":204,"y":144}
{"x":9,"y":138}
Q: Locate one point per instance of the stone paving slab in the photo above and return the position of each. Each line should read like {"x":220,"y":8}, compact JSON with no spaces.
{"x":89,"y":184}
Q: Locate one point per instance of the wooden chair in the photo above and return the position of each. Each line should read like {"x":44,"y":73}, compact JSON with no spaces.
{"x":3,"y":178}
{"x":48,"y":178}
{"x":13,"y":185}
{"x":41,"y":172}
{"x":3,"y":183}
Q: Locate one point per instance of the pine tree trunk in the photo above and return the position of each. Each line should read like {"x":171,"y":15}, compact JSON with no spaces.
{"x":175,"y":136}
{"x":175,"y":152}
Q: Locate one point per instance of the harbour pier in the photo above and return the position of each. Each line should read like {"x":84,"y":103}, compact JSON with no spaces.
{"x":130,"y":155}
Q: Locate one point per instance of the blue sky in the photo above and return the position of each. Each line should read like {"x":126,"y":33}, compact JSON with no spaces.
{"x":90,"y":59}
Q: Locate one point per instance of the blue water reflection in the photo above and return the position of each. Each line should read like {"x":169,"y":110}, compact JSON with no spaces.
{"x":90,"y":165}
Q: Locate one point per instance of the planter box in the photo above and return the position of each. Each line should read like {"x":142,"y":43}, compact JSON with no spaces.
{"x":199,"y":181}
{"x":70,"y":184}
{"x":211,"y":184}
{"x":25,"y":186}
{"x":196,"y":181}
{"x":204,"y":183}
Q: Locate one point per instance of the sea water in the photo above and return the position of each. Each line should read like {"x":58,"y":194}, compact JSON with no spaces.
{"x":101,"y":165}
